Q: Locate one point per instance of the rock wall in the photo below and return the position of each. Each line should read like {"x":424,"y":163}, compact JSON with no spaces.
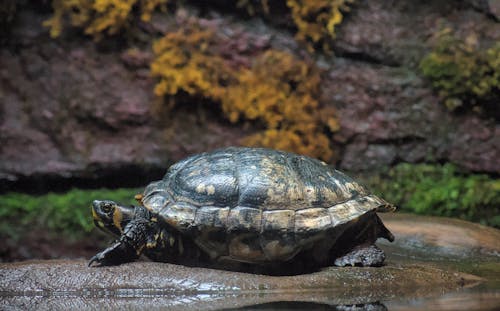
{"x":79,"y":111}
{"x":388,"y":112}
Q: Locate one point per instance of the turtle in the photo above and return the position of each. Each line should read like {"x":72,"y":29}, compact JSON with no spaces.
{"x":255,"y":206}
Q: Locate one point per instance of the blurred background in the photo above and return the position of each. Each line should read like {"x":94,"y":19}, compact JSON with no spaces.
{"x":99,"y":97}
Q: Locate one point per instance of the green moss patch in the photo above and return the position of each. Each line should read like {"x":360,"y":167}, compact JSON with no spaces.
{"x":464,"y":74}
{"x":440,"y":190}
{"x":65,"y":214}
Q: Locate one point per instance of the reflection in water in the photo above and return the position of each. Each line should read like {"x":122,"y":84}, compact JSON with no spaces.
{"x":481,"y":298}
{"x":196,"y":302}
{"x":303,"y":305}
{"x":477,"y":299}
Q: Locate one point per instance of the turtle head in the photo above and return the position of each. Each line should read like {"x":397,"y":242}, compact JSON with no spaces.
{"x":111,"y":217}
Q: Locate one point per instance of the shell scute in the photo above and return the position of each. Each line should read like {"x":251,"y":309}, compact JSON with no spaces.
{"x":346,"y":211}
{"x":242,"y":219}
{"x":211,"y":217}
{"x":278,"y":236}
{"x":211,"y":223}
{"x":156,"y":200}
{"x":310,"y":222}
{"x":206,"y":180}
{"x":180,"y":215}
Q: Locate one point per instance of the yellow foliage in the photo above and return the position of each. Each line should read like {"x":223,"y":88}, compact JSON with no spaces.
{"x":281,"y":92}
{"x":184,"y":62}
{"x":278,"y":91}
{"x":316,"y":20}
{"x":99,"y":16}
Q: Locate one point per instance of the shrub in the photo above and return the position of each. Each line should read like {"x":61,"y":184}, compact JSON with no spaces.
{"x":281,"y":92}
{"x":464,"y":75}
{"x":277,"y":90}
{"x":185,"y":61}
{"x":316,"y":20}
{"x":441,"y":190}
{"x":100,"y":16}
{"x":67,"y":214}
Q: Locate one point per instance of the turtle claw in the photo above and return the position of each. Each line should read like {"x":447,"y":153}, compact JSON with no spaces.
{"x":103,"y":258}
{"x":93,"y":259}
{"x":99,"y":259}
{"x":117,"y":253}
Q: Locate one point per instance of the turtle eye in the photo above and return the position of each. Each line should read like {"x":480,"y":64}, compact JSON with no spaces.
{"x":107,"y":207}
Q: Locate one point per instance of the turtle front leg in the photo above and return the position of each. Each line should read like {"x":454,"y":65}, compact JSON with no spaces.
{"x":119,"y":252}
{"x":129,"y":247}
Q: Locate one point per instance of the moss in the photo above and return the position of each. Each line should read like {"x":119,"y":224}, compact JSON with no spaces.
{"x":465,"y":75}
{"x":66,"y":214}
{"x":277,"y":91}
{"x":98,"y":17}
{"x":440,"y":190}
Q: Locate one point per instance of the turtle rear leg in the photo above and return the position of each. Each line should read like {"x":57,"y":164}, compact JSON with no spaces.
{"x":356,"y":246}
{"x":362,"y":255}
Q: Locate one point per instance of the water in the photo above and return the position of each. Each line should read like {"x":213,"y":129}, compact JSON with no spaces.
{"x":480,"y":298}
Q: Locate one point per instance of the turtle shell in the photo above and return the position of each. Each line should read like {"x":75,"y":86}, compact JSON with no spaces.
{"x":256,"y":204}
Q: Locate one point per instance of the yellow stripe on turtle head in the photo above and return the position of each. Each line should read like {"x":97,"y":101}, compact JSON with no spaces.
{"x":138,"y":197}
{"x":95,"y":216}
{"x":117,"y":219}
{"x":97,"y":219}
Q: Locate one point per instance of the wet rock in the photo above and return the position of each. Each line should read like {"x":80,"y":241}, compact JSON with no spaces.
{"x":431,"y":257}
{"x":74,"y":278}
{"x":440,"y":236}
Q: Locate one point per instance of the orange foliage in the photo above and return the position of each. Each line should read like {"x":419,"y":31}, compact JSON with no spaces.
{"x":281,"y":91}
{"x":278,"y":91}
{"x":185,"y":62}
{"x":99,"y":16}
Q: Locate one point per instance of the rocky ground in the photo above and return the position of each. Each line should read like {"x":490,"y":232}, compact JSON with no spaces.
{"x":438,"y":263}
{"x":77,"y":112}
